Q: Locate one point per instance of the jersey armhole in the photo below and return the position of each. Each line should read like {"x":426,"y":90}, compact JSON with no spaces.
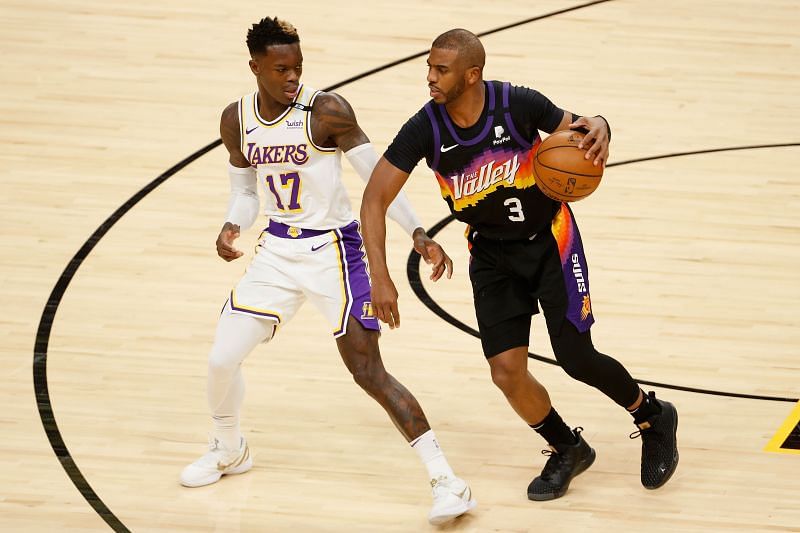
{"x":240,"y":113}
{"x":436,"y":136}
{"x":309,"y":135}
{"x":510,"y":120}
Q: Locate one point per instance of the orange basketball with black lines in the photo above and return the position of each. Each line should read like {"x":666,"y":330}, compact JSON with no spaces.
{"x":562,"y":172}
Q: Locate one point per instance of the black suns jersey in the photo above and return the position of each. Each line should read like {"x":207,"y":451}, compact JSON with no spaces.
{"x":485,"y":172}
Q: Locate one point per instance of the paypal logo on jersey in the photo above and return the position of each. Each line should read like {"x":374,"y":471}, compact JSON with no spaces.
{"x":499,"y":137}
{"x":265,"y":155}
{"x":486,"y":176}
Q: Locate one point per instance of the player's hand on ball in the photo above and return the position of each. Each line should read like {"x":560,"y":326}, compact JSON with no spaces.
{"x":225,"y":247}
{"x":596,"y":141}
{"x":433,"y":254}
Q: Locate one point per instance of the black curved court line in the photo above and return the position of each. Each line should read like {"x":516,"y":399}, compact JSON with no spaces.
{"x":43,"y":339}
{"x":40,"y":385}
{"x":414,"y":279}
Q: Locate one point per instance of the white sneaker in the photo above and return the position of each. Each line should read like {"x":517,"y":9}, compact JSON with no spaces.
{"x":218,"y":462}
{"x":451,"y":498}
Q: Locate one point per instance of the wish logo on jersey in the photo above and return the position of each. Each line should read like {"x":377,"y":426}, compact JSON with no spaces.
{"x":487,"y":172}
{"x":265,"y":155}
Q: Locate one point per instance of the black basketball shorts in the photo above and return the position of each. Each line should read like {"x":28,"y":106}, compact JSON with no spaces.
{"x":511,"y":279}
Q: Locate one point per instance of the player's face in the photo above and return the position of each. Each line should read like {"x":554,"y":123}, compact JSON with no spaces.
{"x":446,"y":76}
{"x":278,"y":71}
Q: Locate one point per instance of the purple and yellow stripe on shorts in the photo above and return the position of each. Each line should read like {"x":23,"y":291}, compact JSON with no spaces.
{"x":265,"y":313}
{"x":356,"y":289}
{"x":574,"y":268}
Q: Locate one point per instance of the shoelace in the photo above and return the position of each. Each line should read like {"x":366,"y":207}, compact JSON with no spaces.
{"x":437,"y":486}
{"x":551,"y":467}
{"x":650,"y":439}
{"x":555,"y":457}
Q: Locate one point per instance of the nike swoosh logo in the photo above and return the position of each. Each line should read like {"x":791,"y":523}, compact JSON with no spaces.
{"x":236,"y":462}
{"x":315,"y":248}
{"x":221,"y":467}
{"x":248,"y":132}
{"x":443,"y":149}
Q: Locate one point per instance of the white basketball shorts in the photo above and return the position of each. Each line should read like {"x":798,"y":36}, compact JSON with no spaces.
{"x":328,"y":267}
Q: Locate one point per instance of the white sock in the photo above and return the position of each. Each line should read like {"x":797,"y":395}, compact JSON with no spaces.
{"x":226,"y":417}
{"x":431,"y":455}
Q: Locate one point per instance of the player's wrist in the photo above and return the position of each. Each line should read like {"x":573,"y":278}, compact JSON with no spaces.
{"x":608,"y":127}
{"x":379,"y":274}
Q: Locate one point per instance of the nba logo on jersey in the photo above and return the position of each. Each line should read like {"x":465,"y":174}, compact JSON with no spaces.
{"x":366,"y":310}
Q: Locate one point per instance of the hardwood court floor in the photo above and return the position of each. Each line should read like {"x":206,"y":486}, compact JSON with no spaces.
{"x":693,"y":269}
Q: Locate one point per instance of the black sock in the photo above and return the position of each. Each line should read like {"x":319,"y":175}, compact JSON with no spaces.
{"x":554,"y":430}
{"x":649,"y":407}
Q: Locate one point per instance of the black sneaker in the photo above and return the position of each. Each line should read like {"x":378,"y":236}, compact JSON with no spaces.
{"x":659,"y":444}
{"x":566,"y":461}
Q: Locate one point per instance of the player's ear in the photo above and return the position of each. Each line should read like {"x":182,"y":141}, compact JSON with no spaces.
{"x":473,"y":75}
{"x":254,"y":67}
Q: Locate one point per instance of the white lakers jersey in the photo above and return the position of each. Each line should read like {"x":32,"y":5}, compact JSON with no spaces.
{"x":302,"y":181}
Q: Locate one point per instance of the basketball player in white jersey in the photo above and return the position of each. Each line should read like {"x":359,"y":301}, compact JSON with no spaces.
{"x":289,"y":138}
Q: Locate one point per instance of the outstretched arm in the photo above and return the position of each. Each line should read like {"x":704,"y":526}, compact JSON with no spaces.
{"x":336,"y":124}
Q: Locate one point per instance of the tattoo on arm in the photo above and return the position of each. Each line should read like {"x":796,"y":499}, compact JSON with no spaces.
{"x":333,"y":122}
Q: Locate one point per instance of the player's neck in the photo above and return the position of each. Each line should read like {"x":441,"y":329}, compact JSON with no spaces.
{"x":268,"y":107}
{"x":465,"y":110}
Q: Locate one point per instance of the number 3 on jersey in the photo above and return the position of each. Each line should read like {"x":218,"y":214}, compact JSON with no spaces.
{"x":515,"y":207}
{"x":290,"y":180}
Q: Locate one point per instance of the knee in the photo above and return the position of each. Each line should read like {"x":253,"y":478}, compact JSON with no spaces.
{"x":575,"y":353}
{"x":507,"y":377}
{"x":359,"y":350}
{"x":221,"y":363}
{"x":575,"y":370}
{"x":369,"y":376}
{"x":578,"y":365}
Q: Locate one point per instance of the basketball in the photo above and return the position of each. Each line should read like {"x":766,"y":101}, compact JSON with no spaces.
{"x":562,"y":172}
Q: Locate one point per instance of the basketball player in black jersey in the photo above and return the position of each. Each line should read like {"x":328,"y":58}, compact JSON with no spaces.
{"x":479,"y":138}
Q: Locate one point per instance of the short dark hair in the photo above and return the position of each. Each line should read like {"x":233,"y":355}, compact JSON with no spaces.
{"x":469,"y":47}
{"x":269,"y":32}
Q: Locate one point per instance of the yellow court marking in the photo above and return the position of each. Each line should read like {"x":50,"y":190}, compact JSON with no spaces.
{"x":787,"y":438}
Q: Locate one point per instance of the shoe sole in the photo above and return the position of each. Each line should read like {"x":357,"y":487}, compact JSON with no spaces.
{"x":554,"y":495}
{"x":453,"y":513}
{"x":676,"y":455}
